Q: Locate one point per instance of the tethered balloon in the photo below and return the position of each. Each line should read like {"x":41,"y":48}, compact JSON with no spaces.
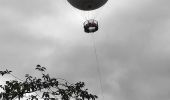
{"x":87,"y":4}
{"x":90,"y":25}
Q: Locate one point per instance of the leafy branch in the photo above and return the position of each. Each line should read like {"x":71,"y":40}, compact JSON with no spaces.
{"x":17,"y":89}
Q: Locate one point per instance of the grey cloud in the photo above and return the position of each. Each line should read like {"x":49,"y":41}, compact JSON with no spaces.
{"x":27,"y":8}
{"x":132,"y":43}
{"x":132,"y":46}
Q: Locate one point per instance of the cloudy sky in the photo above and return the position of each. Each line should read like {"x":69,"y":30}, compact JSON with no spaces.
{"x":133,"y":45}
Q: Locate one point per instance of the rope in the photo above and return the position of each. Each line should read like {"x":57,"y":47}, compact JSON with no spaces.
{"x":98,"y":65}
{"x":16,"y":77}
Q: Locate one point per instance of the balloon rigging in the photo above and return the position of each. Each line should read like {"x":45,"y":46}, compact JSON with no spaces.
{"x":90,"y":25}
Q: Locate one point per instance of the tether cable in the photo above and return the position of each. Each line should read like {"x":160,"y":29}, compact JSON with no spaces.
{"x":98,"y":65}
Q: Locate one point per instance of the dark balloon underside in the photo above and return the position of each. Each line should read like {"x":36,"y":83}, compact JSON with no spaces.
{"x":87,"y":4}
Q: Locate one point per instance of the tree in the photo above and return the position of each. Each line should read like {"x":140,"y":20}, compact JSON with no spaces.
{"x":50,"y":88}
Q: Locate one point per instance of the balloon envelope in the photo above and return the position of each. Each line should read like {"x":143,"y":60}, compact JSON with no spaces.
{"x":87,"y":4}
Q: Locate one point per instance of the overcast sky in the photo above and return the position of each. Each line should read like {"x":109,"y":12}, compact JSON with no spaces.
{"x":133,"y":45}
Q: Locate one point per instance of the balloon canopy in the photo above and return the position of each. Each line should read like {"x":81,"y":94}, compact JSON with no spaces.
{"x":87,"y":4}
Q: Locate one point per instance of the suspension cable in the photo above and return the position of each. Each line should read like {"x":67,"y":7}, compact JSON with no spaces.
{"x":98,"y":65}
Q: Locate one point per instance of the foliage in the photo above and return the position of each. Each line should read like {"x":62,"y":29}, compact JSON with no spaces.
{"x":65,"y":90}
